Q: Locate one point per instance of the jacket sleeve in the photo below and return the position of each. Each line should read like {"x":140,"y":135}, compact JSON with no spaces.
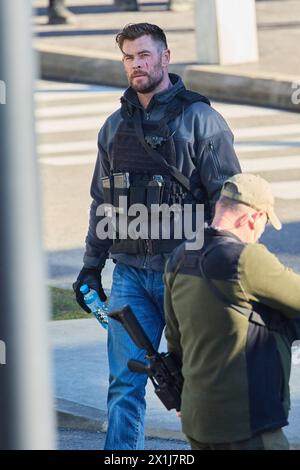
{"x":96,"y":250}
{"x":216,"y":159}
{"x":172,"y":332}
{"x":264,"y":279}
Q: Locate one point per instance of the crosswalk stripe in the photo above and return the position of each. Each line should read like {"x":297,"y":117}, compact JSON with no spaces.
{"x":81,"y":95}
{"x":67,"y":125}
{"x":241,"y":133}
{"x":46,"y":85}
{"x":270,"y":164}
{"x":230,"y":111}
{"x":67,"y":147}
{"x":69,"y":161}
{"x":267,"y":145}
{"x":286,"y":189}
{"x":75,"y":110}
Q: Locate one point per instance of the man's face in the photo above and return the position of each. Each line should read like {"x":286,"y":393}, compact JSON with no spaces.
{"x":145,"y":62}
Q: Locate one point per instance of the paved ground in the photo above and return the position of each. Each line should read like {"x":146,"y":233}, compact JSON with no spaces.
{"x":81,"y":376}
{"x":98,"y":23}
{"x":70,"y":439}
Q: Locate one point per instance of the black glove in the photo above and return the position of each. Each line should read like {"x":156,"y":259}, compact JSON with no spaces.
{"x":91,"y":277}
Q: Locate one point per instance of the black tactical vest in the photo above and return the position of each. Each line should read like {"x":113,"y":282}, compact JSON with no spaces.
{"x":142,"y":180}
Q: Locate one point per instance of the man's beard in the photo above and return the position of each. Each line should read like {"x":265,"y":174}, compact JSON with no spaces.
{"x":151,"y":85}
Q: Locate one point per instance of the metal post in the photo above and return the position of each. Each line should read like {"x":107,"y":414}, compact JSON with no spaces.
{"x":26,"y":408}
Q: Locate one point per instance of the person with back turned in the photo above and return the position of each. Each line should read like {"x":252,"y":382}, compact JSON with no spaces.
{"x":232,"y":312}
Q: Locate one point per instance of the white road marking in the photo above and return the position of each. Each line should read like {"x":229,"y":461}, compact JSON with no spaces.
{"x":67,"y":147}
{"x":69,"y":161}
{"x":250,"y":165}
{"x":45,"y":96}
{"x":268,"y":145}
{"x":69,"y":125}
{"x":286,"y":189}
{"x":230,"y":111}
{"x":78,"y":110}
{"x":284,"y":129}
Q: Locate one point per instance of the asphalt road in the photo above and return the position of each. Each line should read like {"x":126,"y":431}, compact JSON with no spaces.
{"x":69,"y":439}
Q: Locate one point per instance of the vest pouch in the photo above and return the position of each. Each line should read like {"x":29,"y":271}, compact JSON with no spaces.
{"x":138,"y":194}
{"x":121,"y":186}
{"x":155,"y":189}
{"x":107,"y":189}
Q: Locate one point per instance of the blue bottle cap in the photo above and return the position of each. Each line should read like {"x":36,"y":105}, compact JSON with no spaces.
{"x":84,"y":289}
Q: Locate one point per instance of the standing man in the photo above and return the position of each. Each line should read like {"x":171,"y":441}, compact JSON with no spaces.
{"x":161,"y":135}
{"x":232,"y":312}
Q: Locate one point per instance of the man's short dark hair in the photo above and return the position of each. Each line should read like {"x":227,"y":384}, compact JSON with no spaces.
{"x":135,"y":30}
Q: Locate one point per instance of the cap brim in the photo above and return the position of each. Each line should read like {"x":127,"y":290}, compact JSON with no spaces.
{"x":274,"y":219}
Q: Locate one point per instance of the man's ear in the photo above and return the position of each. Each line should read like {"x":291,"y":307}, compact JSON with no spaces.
{"x":260,"y":214}
{"x":242,"y":220}
{"x":254,"y":217}
{"x":165,"y":58}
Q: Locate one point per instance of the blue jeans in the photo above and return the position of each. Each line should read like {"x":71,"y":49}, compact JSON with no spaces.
{"x":143,"y":290}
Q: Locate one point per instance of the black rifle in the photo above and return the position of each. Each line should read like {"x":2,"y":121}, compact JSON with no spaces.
{"x":163,"y":369}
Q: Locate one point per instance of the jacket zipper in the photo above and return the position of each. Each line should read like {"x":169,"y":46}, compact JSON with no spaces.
{"x":215,"y":160}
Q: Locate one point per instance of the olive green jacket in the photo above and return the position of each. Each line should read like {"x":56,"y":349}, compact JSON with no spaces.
{"x":236,"y":372}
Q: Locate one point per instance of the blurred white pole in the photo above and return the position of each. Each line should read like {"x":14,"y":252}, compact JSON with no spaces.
{"x":26,"y":407}
{"x":226,"y":31}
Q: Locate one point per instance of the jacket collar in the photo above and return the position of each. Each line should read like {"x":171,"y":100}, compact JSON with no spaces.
{"x":163,"y":97}
{"x":216,"y":233}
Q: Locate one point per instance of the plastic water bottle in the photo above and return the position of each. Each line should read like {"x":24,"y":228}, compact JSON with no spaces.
{"x":98,"y":308}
